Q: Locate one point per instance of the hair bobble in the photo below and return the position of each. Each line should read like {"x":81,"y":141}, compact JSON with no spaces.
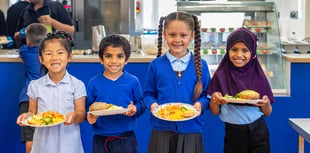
{"x":66,"y":36}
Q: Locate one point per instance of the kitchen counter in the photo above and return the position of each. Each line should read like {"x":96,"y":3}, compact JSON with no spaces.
{"x":12,"y":56}
{"x":297,"y":58}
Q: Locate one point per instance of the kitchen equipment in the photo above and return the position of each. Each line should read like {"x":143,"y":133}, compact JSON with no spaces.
{"x":117,"y":16}
{"x":98,"y":33}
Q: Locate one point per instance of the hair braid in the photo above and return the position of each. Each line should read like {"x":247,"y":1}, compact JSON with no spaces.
{"x":197,"y":57}
{"x":160,"y":36}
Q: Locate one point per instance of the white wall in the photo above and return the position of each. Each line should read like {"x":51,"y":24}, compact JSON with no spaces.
{"x":307,"y":16}
{"x":4,"y":4}
{"x":288,"y":25}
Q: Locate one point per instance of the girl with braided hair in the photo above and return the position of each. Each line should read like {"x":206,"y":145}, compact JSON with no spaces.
{"x":177,"y":76}
{"x":57,"y":91}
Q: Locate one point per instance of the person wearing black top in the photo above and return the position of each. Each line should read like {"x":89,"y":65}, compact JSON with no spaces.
{"x":47,"y":12}
{"x":13,"y":15}
{"x":3,"y":29}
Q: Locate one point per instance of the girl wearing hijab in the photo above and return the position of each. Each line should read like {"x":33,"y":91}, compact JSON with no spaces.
{"x":245,"y":127}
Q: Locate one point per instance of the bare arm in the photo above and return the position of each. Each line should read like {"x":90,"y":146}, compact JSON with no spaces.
{"x":17,"y":36}
{"x":46,"y":19}
{"x":265,"y":106}
{"x":78,"y":115}
{"x":216,"y":101}
{"x":33,"y":106}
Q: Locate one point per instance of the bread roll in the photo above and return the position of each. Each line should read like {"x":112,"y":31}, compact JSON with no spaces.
{"x":99,"y":106}
{"x":249,"y":94}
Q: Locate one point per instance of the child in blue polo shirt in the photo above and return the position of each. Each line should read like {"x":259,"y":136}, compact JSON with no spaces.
{"x":29,"y":55}
{"x":114,"y":133}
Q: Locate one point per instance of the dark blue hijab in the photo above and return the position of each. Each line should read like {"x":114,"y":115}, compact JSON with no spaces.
{"x":229,"y":79}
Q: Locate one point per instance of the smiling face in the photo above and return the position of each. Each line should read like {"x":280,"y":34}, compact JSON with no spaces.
{"x":55,"y":57}
{"x":239,"y":54}
{"x":114,"y":60}
{"x":178,"y":35}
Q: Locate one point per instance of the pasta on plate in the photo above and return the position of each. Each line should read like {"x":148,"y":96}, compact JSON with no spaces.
{"x":175,"y":112}
{"x":46,"y":118}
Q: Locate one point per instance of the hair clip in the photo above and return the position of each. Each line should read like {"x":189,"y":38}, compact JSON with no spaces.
{"x":61,"y":34}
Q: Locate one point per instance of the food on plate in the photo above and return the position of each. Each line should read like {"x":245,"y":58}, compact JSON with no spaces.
{"x":3,"y":40}
{"x":214,"y":51}
{"x":204,"y":29}
{"x":222,"y":51}
{"x":249,"y":94}
{"x":222,"y":29}
{"x":263,"y":47}
{"x":213,"y":29}
{"x":258,"y":29}
{"x":265,"y":51}
{"x":205,"y":51}
{"x":97,"y":106}
{"x":245,"y":94}
{"x":175,"y":112}
{"x":46,"y":118}
{"x":230,"y":29}
{"x":255,"y":23}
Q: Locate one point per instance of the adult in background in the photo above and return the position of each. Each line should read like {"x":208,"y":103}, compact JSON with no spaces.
{"x":48,"y":12}
{"x":13,"y":14}
{"x":3,"y":30}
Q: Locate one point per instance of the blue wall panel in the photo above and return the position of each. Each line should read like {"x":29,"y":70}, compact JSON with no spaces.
{"x":283,"y":138}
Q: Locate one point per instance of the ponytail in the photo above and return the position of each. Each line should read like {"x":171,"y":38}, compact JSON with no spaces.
{"x":160,"y":36}
{"x":197,"y":58}
{"x":193,"y":23}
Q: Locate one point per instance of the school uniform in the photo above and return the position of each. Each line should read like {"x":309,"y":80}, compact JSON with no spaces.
{"x":245,"y":127}
{"x":116,"y":131}
{"x":57,"y":97}
{"x":30,"y":57}
{"x":164,"y":86}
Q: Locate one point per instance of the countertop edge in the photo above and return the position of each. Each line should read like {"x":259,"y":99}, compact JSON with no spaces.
{"x":297,"y":58}
{"x":134,"y":58}
{"x":296,"y":124}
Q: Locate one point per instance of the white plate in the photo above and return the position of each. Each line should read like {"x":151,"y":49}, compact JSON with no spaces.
{"x":109,"y":112}
{"x":188,"y":106}
{"x":242,"y":101}
{"x":25,"y":122}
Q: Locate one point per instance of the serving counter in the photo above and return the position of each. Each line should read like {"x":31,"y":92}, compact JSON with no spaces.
{"x":12,"y":56}
{"x":283,"y":138}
